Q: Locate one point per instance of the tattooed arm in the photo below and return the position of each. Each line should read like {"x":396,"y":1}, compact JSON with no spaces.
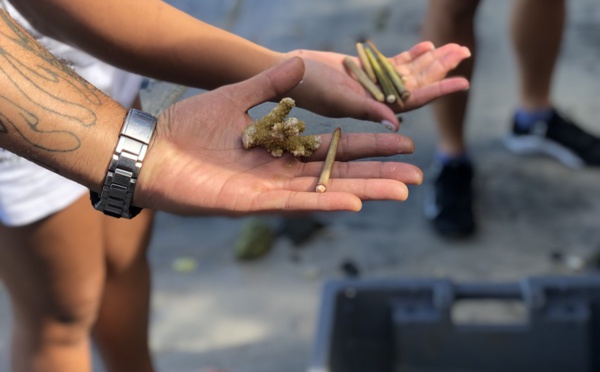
{"x":49,"y":114}
{"x":195,"y":163}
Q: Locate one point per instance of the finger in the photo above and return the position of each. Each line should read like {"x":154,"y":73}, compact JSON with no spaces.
{"x":272,"y":83}
{"x":364,"y":106}
{"x":422,"y":96}
{"x":381,"y":113}
{"x":364,"y":189}
{"x":414,"y":53}
{"x":419,"y":56}
{"x":441,"y":66}
{"x":434,"y":65}
{"x":354,"y":146}
{"x":405,"y":173}
{"x":285,"y":200}
{"x":370,"y":189}
{"x":341,"y":195}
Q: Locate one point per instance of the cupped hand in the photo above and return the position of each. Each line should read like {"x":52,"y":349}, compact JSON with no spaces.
{"x":196,"y":163}
{"x":328,"y":88}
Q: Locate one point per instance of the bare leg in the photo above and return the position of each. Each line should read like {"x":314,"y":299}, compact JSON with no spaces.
{"x":54,"y":273}
{"x":451,"y":21}
{"x":448,"y":199}
{"x":121,"y":331}
{"x":537,"y":27}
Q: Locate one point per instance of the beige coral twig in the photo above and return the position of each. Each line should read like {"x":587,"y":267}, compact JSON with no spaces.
{"x":386,"y":84}
{"x":391,"y":71}
{"x":329,"y":160}
{"x":365,"y":81}
{"x":364,"y":60}
{"x":277,"y":134}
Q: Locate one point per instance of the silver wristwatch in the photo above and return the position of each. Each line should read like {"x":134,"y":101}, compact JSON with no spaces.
{"x":119,"y":185}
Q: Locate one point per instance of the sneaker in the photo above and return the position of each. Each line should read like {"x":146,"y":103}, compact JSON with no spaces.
{"x":449,"y":199}
{"x":559,"y":138}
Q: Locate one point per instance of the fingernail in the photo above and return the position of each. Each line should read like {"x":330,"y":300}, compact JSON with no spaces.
{"x":388,"y":125}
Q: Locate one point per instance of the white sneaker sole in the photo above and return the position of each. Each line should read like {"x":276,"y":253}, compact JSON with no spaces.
{"x":528,"y":145}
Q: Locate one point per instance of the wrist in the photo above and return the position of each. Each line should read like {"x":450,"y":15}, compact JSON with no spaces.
{"x":97,"y":146}
{"x":116,"y":196}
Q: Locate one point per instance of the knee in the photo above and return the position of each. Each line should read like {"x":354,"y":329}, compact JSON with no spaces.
{"x":64,"y":320}
{"x":73,"y":319}
{"x":458,"y":13}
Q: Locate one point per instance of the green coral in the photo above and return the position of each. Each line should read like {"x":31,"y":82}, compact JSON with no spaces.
{"x":277,"y":134}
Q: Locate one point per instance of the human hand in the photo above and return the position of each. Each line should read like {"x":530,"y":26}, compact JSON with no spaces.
{"x":328,"y":89}
{"x":196,"y":163}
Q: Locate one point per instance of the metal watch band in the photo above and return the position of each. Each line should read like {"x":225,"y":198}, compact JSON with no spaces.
{"x":124,"y":168}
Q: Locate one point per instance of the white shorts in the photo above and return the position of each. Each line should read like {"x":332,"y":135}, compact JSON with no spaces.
{"x":29,"y":192}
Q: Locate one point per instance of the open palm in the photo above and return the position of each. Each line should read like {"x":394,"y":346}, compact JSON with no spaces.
{"x":329,"y":90}
{"x":198,"y":148}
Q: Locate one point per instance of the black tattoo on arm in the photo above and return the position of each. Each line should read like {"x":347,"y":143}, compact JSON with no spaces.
{"x":46,"y":87}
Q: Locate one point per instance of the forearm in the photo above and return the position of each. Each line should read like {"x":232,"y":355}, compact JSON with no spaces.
{"x":159,"y":41}
{"x":50,"y":115}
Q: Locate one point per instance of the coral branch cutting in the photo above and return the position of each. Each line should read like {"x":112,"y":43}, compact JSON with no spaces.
{"x":278,"y":133}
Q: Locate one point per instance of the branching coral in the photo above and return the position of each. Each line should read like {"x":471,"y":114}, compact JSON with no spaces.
{"x":277,"y":134}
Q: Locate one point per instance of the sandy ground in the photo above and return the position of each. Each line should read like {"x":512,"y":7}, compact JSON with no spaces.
{"x":261,"y":316}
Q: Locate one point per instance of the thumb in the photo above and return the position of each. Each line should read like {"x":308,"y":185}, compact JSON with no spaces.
{"x":268,"y":85}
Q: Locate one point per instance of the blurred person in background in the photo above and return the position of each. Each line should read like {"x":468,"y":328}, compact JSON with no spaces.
{"x":537,"y":126}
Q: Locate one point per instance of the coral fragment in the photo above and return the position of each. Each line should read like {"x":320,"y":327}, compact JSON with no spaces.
{"x":277,"y":133}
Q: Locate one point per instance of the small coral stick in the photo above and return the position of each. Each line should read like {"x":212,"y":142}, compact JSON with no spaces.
{"x":396,"y":79}
{"x":329,"y":160}
{"x":382,"y":78}
{"x":362,"y":78}
{"x":365,"y":62}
